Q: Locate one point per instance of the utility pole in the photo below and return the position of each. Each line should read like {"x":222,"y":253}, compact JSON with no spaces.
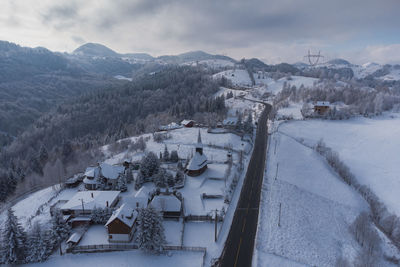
{"x":216,"y":224}
{"x":83,"y":207}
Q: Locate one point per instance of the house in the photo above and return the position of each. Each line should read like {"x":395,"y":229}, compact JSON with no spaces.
{"x":121,"y":224}
{"x":187,"y":123}
{"x":110,"y":173}
{"x":321,"y":107}
{"x":84,"y":202}
{"x":198,"y":164}
{"x":91,"y":175}
{"x":168,"y":204}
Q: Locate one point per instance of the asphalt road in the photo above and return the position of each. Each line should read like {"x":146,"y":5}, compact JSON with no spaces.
{"x":239,"y":246}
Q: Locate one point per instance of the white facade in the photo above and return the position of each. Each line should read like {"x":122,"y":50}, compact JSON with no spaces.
{"x":120,"y":237}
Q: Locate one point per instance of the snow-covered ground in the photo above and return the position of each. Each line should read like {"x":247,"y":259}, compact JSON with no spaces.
{"x":306,"y":209}
{"x":134,"y":258}
{"x":368,"y":146}
{"x":238,"y":77}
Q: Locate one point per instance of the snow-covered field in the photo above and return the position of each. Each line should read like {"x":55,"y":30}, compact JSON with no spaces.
{"x":370,"y":148}
{"x":306,"y":209}
{"x":132,"y":258}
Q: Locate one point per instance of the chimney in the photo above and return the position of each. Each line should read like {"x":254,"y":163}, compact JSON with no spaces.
{"x":92,"y":195}
{"x":122,"y":215}
{"x":107,"y":204}
{"x":137,"y":204}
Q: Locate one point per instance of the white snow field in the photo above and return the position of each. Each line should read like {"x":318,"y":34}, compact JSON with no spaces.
{"x":305,"y":209}
{"x":369,"y":147}
{"x":134,"y":258}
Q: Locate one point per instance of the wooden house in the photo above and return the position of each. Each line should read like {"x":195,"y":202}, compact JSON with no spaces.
{"x":321,"y":107}
{"x":120,"y":226}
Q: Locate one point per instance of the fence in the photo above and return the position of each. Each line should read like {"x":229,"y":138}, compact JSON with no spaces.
{"x":105,"y":247}
{"x":204,"y":218}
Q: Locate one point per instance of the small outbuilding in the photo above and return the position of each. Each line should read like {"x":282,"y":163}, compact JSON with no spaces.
{"x":91,"y":175}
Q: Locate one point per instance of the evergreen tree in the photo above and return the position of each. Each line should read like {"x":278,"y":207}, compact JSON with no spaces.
{"x":174,"y":156}
{"x":14,"y":238}
{"x":150,"y":231}
{"x":139,"y":181}
{"x":248,"y":125}
{"x":160,"y":179}
{"x":170,"y":179}
{"x":43,"y":155}
{"x":121,"y":183}
{"x":37,"y":247}
{"x":60,"y":229}
{"x":179,"y":177}
{"x":166,"y":153}
{"x":129,"y":175}
{"x":149,"y":165}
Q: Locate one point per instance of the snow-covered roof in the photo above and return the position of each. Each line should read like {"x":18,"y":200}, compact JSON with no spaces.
{"x":197,"y":162}
{"x":166,"y":203}
{"x":322,"y":103}
{"x":170,"y":126}
{"x":184,"y":122}
{"x":125,"y":214}
{"x":74,"y":238}
{"x":143,"y":192}
{"x":89,"y":181}
{"x":111,"y":171}
{"x":91,"y":200}
{"x":230,"y":121}
{"x":92,"y":172}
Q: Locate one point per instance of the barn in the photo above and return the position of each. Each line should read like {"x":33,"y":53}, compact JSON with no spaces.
{"x":121,"y":224}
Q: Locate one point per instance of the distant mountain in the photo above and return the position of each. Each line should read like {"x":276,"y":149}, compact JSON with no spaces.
{"x":95,"y":50}
{"x":339,"y":61}
{"x":139,"y":56}
{"x":192,"y":56}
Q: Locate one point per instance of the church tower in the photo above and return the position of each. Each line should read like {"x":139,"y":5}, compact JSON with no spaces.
{"x":199,"y":145}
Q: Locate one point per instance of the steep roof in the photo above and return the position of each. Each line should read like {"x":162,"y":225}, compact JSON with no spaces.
{"x":199,"y":143}
{"x":91,"y":200}
{"x":184,"y":122}
{"x":197,"y":162}
{"x":166,"y":203}
{"x":111,"y":171}
{"x":92,"y":172}
{"x":125,"y":214}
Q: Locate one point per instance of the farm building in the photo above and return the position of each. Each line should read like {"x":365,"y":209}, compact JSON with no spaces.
{"x":198,"y":164}
{"x":321,"y":107}
{"x":187,"y":123}
{"x":121,"y":224}
{"x":168,"y":204}
{"x":230,"y":122}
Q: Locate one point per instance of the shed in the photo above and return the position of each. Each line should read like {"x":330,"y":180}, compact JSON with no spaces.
{"x":321,"y":107}
{"x":169,"y":205}
{"x":187,"y":123}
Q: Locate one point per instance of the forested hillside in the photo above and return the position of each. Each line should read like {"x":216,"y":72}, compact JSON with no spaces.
{"x":100,"y":117}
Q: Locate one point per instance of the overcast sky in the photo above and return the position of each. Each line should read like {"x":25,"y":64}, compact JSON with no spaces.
{"x":274,"y":31}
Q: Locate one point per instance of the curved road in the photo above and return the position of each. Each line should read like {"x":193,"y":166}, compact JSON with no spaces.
{"x":239,"y":245}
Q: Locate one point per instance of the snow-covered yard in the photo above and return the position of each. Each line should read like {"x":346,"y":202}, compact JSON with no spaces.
{"x":199,"y":234}
{"x":134,"y":258}
{"x":173,"y":232}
